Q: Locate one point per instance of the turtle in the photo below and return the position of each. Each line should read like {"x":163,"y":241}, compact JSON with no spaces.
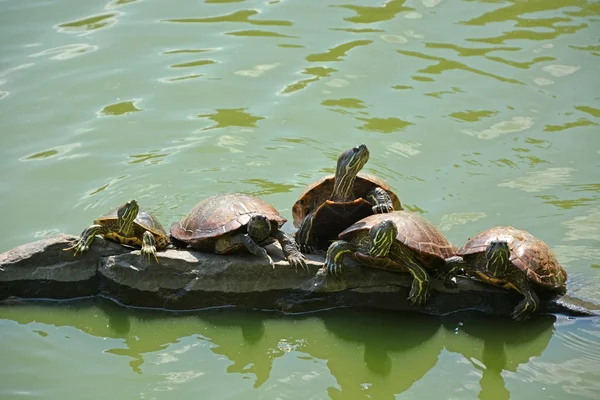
{"x":235,"y":222}
{"x":512,"y":259}
{"x":334,"y":202}
{"x":395,"y":241}
{"x":127,"y":225}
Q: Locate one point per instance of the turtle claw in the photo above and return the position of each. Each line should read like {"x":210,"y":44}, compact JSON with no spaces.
{"x":333,"y":268}
{"x":418,"y":295}
{"x":382,"y":208}
{"x":523,"y":310}
{"x":298,"y":261}
{"x":306,"y":248}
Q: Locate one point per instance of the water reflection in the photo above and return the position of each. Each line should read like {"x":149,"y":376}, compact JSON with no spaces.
{"x":396,"y":349}
{"x":372,"y":354}
{"x":372,"y":14}
{"x":494,"y":346}
{"x":226,"y":117}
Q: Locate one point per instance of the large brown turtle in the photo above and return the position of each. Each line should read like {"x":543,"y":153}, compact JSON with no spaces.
{"x":127,"y":225}
{"x":399,"y":240}
{"x":333,"y":203}
{"x":234,"y":222}
{"x":513,"y":259}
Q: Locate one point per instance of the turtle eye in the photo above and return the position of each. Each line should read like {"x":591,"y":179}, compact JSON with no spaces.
{"x":355,"y":149}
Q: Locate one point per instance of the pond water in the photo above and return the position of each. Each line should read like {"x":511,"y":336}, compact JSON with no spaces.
{"x":477,"y":113}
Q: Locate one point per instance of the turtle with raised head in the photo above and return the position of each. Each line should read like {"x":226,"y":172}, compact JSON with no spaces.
{"x":395,"y":241}
{"x":512,"y":259}
{"x":333,"y":203}
{"x":236,"y":222}
{"x":127,"y":225}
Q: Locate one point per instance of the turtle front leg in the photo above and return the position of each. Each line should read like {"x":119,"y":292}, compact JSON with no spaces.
{"x":86,"y":238}
{"x":529,"y":304}
{"x":149,"y":245}
{"x":452,"y":268}
{"x":334,"y":261}
{"x":419,"y":291}
{"x":245,"y":240}
{"x":381,"y":201}
{"x":303,"y":235}
{"x":291,"y":250}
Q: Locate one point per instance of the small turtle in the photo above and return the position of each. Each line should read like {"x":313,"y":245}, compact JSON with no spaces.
{"x":127,"y":225}
{"x":512,"y":259}
{"x":399,"y":240}
{"x":228,"y":223}
{"x":333,"y":203}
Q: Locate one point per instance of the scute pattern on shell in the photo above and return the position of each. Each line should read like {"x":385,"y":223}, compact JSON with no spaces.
{"x":320,"y":191}
{"x":143,"y":220}
{"x":220,"y":214}
{"x":530,"y":254}
{"x":413,"y":230}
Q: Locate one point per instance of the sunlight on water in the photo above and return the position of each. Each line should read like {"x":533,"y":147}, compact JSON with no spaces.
{"x":477,"y":113}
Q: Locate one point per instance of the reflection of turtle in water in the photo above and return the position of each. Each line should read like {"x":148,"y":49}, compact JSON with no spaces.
{"x":494,"y":346}
{"x":127,"y":225}
{"x":229,"y":223}
{"x":399,"y":240}
{"x":333,"y":203}
{"x":512,"y":259}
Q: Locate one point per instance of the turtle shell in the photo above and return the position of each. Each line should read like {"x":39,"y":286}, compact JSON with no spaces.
{"x":414,"y":231}
{"x":143,"y":222}
{"x":528,"y":253}
{"x":219,"y":215}
{"x":317,"y":195}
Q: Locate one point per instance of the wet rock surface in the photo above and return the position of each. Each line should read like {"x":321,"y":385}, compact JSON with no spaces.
{"x":190,"y":280}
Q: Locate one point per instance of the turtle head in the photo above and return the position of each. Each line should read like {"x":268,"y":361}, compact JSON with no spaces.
{"x":382,"y":236}
{"x":349,"y":165}
{"x":259,"y":228}
{"x":126,"y":215}
{"x":497,"y":254}
{"x":351,"y":161}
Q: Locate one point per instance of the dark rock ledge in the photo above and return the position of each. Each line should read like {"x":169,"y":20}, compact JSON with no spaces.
{"x":188,"y":280}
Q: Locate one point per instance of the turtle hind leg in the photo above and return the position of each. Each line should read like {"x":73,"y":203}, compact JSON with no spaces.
{"x":86,"y":238}
{"x":530,"y":303}
{"x":149,"y":246}
{"x":291,"y":250}
{"x":380,"y":200}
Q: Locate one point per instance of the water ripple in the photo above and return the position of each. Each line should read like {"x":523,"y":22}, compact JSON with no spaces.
{"x":237,"y":16}
{"x":89,"y":24}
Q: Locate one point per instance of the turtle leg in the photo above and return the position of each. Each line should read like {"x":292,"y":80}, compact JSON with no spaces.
{"x":334,"y":261}
{"x":381,"y":201}
{"x":149,"y":245}
{"x":419,"y":291}
{"x":291,"y":250}
{"x":246,"y":241}
{"x":529,"y":304}
{"x":452,"y":267}
{"x":303,"y":234}
{"x":86,"y":238}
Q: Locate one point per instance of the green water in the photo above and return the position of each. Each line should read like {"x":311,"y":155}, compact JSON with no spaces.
{"x":478,"y":113}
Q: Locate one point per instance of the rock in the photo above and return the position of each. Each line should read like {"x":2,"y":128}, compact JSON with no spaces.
{"x":187,"y":280}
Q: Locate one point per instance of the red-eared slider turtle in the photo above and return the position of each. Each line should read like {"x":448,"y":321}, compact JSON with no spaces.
{"x":228,"y":223}
{"x":399,"y":240}
{"x":513,"y":259}
{"x":333,"y":203}
{"x":127,"y":225}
